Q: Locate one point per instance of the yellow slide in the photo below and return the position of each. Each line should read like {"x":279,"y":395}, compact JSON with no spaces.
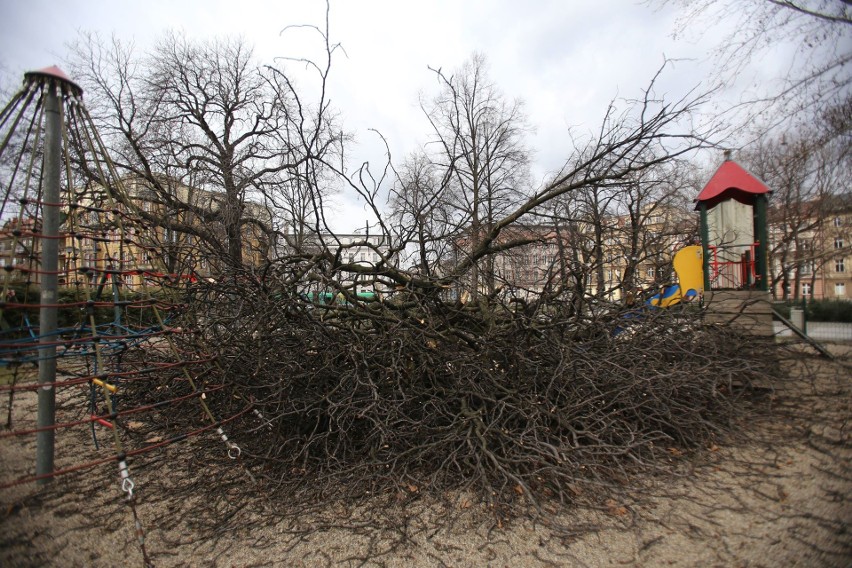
{"x":689,"y":267}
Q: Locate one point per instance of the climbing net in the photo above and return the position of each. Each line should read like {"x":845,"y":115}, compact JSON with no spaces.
{"x":92,"y":324}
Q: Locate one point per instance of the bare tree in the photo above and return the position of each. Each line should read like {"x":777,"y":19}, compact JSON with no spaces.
{"x":480,"y":155}
{"x":422,"y":214}
{"x":223,"y":144}
{"x":820,"y":31}
{"x":655,"y":219}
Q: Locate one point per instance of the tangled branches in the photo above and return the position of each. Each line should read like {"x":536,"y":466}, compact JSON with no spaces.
{"x":402,"y":397}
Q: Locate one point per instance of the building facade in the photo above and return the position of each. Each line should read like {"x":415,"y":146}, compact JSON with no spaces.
{"x":147,"y":242}
{"x":810,"y":256}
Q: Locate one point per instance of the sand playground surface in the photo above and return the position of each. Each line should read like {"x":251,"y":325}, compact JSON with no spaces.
{"x":781,"y":496}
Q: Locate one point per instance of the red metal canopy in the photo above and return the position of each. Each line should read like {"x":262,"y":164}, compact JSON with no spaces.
{"x":731,"y":176}
{"x":55,"y":73}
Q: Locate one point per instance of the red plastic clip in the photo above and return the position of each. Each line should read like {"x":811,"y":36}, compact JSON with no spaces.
{"x":102,"y":422}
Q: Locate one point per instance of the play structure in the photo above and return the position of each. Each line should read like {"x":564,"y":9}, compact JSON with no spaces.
{"x":734,"y":232}
{"x":86,"y":306}
{"x":734,"y":237}
{"x":688,"y":265}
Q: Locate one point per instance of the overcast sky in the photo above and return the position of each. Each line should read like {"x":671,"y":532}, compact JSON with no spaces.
{"x":565,"y":59}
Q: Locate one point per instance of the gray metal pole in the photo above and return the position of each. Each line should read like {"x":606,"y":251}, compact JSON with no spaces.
{"x":49,"y":279}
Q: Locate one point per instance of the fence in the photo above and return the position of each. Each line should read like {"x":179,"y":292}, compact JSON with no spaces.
{"x":810,"y":322}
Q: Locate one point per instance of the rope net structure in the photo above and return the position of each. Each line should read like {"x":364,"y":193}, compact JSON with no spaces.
{"x":99,"y":319}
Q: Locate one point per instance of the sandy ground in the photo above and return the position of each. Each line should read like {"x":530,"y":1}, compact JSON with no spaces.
{"x":780,"y":498}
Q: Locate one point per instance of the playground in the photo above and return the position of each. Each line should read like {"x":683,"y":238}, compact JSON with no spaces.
{"x":154,"y":417}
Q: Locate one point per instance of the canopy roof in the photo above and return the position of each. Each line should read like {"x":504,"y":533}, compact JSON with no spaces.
{"x":731,"y":180}
{"x":54,"y":73}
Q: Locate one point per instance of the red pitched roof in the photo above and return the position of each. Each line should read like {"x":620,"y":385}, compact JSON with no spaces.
{"x":731,"y":175}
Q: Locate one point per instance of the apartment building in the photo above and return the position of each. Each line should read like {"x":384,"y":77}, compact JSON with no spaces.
{"x":810,"y":255}
{"x":354,"y":260}
{"x":20,"y":251}
{"x":103,"y":241}
{"x":609,"y":259}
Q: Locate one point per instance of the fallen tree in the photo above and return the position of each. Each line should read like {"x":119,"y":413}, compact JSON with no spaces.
{"x":413,"y":396}
{"x":542,"y":400}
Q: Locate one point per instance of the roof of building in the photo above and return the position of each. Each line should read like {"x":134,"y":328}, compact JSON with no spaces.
{"x":731,"y":180}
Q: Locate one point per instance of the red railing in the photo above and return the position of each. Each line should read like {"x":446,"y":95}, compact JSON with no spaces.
{"x":727,"y":274}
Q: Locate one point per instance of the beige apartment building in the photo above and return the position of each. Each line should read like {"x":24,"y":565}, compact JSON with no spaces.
{"x":103,"y":241}
{"x":814,"y":261}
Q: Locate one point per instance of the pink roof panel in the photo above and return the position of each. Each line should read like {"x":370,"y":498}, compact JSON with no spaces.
{"x":54,"y":72}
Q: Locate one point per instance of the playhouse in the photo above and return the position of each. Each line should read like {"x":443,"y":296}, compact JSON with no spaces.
{"x":735,"y":241}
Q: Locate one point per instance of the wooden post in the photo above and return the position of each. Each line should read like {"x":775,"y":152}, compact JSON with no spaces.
{"x":761,"y":231}
{"x":705,"y":241}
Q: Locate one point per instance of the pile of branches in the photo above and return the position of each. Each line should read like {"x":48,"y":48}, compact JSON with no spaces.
{"x":414,"y":394}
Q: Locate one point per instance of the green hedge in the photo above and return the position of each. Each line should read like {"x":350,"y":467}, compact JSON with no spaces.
{"x":819,"y":310}
{"x":829,"y":310}
{"x":72,"y":315}
{"x":782,"y":308}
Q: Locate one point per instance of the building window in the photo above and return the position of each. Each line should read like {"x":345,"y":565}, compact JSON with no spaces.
{"x":806,"y":289}
{"x":838,"y":243}
{"x":807,"y":267}
{"x":650,"y":272}
{"x":838,"y":265}
{"x":838,"y":222}
{"x":840,"y":289}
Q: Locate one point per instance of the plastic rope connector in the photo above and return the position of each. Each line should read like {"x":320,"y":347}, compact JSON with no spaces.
{"x":127,"y":484}
{"x":234,"y":450}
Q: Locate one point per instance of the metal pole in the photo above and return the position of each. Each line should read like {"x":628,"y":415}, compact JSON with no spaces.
{"x":49,"y":280}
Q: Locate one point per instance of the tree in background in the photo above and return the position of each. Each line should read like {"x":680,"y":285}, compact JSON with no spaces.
{"x":821,"y":31}
{"x":473,"y":192}
{"x":480,"y":155}
{"x":655,"y":219}
{"x":223,"y":145}
{"x":421,"y":213}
